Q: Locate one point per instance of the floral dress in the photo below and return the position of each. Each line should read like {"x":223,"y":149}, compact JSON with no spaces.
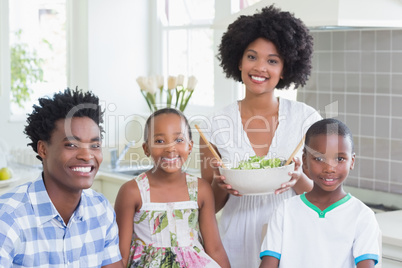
{"x":167,"y":234}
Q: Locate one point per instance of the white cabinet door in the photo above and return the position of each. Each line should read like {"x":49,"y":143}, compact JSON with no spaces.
{"x":97,"y":185}
{"x":110,"y":190}
{"x":388,"y":263}
{"x":391,"y":255}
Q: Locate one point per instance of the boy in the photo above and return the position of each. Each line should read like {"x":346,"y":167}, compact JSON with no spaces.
{"x":325,"y":227}
{"x":52,"y":221}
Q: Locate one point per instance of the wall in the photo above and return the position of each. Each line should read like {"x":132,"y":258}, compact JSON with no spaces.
{"x":358,"y":75}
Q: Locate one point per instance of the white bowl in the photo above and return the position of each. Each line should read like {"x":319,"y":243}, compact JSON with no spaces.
{"x":257,"y":181}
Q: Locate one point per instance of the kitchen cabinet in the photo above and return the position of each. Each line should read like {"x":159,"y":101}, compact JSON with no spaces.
{"x":391,"y":256}
{"x":389,"y":263}
{"x":109,"y":184}
{"x":390,"y":223}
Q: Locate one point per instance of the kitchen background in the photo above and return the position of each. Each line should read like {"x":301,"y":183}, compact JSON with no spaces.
{"x":105,"y":45}
{"x":357,"y":76}
{"x":360,"y":73}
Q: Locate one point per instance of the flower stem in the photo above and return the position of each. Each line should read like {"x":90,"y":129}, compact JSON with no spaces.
{"x":146,"y":99}
{"x":160,"y":96}
{"x":151,"y":98}
{"x":178,"y":93}
{"x":169,"y":98}
{"x":186,"y":100}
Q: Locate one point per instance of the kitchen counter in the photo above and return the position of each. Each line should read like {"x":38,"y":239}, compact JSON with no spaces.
{"x":108,"y":182}
{"x":21,"y":174}
{"x":390,"y":225}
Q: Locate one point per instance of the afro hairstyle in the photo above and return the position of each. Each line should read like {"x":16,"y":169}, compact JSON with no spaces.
{"x":289,"y":34}
{"x":67,"y":104}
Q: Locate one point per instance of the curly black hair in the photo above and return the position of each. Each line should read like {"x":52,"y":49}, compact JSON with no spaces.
{"x":289,"y":34}
{"x":67,"y":104}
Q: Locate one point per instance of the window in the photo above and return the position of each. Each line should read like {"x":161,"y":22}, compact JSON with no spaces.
{"x":38,"y":51}
{"x":187,"y":40}
{"x":246,"y":3}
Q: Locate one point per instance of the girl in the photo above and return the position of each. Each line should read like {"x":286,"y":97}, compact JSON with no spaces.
{"x":166,"y":217}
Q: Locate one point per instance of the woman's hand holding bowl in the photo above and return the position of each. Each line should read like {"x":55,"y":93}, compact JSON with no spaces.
{"x":221,"y":181}
{"x":295,"y":176}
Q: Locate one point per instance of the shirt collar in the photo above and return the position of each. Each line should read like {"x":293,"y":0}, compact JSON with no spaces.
{"x":321,"y":213}
{"x":43,"y":207}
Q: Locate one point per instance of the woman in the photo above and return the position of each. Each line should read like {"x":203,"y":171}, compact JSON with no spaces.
{"x":268,"y":50}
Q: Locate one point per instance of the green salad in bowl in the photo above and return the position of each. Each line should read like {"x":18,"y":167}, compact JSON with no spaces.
{"x":258,"y":175}
{"x":257,"y":162}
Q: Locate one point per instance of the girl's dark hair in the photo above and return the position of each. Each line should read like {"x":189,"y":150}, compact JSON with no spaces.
{"x":165,"y":111}
{"x":327,"y":127}
{"x":67,"y":104}
{"x":289,"y":34}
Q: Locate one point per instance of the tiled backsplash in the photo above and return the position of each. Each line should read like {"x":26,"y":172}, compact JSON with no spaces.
{"x":357,"y":75}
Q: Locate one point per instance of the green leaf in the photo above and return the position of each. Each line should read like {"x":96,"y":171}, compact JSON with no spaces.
{"x":26,"y":70}
{"x":169,"y":261}
{"x":163,"y":222}
{"x":256,"y":162}
{"x":178,"y":214}
{"x":197,"y":249}
{"x":193,"y":219}
{"x":173,"y":240}
{"x":143,"y":217}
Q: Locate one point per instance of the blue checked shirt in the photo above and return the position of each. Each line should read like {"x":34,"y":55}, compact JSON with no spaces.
{"x":33,"y":234}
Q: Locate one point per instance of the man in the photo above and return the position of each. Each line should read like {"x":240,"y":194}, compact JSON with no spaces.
{"x":55,"y":220}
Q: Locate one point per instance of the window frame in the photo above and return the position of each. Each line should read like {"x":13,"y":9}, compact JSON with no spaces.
{"x":5,"y":70}
{"x":227,"y":92}
{"x":77,"y":51}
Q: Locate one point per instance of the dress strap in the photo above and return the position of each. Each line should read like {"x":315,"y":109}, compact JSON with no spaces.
{"x":143,"y":186}
{"x":192,"y":185}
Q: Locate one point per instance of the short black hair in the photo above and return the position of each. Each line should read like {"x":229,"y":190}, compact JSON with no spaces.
{"x":165,"y":111}
{"x":289,"y":34}
{"x":67,"y":104}
{"x":328,"y":126}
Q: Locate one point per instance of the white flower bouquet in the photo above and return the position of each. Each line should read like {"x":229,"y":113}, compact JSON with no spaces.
{"x":176,"y":95}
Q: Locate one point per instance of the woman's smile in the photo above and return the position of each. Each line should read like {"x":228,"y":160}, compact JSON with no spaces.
{"x":258,"y":79}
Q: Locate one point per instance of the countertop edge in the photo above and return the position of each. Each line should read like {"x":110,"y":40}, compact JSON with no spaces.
{"x":390,"y":223}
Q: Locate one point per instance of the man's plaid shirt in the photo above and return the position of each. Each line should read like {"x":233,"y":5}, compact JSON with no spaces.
{"x":33,"y":234}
